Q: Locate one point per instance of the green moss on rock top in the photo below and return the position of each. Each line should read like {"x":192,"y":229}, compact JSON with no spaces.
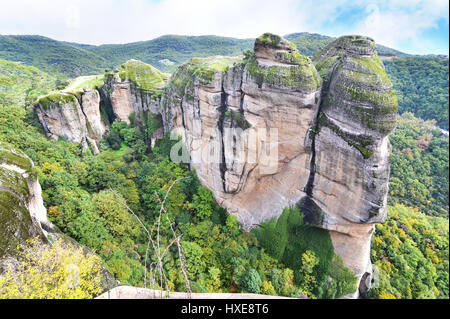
{"x":356,"y":84}
{"x":301,"y":76}
{"x":203,"y":69}
{"x":56,"y":100}
{"x":142,"y":74}
{"x":11,"y":156}
{"x":268,"y":38}
{"x":200,"y":70}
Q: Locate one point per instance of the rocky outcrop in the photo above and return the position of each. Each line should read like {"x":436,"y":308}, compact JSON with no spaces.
{"x":329,"y":154}
{"x":84,"y":115}
{"x":133,"y":88}
{"x":128,"y":292}
{"x":349,"y":179}
{"x":265,"y":131}
{"x":223,"y":107}
{"x":22,"y":212}
{"x":73,"y":116}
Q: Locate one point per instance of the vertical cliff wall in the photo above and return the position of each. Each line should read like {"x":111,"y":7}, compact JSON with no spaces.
{"x":22,"y":212}
{"x":331,"y":145}
{"x":225,"y":108}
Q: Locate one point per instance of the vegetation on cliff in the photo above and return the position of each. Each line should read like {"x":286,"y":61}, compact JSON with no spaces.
{"x":221,"y":257}
{"x":141,"y":74}
{"x":309,"y":252}
{"x":54,"y":271}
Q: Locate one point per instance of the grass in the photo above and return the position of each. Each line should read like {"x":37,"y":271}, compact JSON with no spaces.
{"x":143,"y":75}
{"x":118,"y":154}
{"x":88,"y":82}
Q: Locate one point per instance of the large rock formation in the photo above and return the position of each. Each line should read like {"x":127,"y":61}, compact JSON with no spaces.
{"x":222,"y":107}
{"x":350,"y":173}
{"x":22,"y":212}
{"x":73,"y":116}
{"x":331,"y":153}
{"x":133,"y":88}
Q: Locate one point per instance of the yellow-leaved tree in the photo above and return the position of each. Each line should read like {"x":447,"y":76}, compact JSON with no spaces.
{"x":56,"y":271}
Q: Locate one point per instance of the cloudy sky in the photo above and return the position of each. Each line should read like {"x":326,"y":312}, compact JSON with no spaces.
{"x":412,"y":26}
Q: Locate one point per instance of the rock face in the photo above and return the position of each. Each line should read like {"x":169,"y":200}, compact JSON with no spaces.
{"x":83,"y":116}
{"x":223,"y":109}
{"x":349,"y":179}
{"x":330,"y":153}
{"x":75,"y":117}
{"x":22,"y":212}
{"x":134,"y":87}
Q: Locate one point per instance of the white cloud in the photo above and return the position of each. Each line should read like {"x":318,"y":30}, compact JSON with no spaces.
{"x":119,"y":21}
{"x":396,"y":21}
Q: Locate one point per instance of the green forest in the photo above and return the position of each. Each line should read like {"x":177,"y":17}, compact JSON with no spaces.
{"x":421,"y":86}
{"x":288,"y":257}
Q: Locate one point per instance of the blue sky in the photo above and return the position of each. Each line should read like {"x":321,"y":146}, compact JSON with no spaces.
{"x":412,"y":26}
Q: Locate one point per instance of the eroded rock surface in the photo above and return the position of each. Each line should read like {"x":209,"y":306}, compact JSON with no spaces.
{"x":22,"y":212}
{"x":332,"y":143}
{"x":350,"y":178}
{"x":84,"y":115}
{"x":222,"y":107}
{"x":133,"y":88}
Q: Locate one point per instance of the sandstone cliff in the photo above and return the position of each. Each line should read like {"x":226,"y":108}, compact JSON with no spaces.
{"x":22,"y":212}
{"x":134,"y":87}
{"x":84,"y":115}
{"x":221,"y":106}
{"x":331,"y":149}
{"x":74,"y":116}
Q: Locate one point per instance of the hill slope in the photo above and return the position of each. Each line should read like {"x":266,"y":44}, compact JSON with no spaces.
{"x":50,"y":55}
{"x":421,"y":85}
{"x":22,"y":84}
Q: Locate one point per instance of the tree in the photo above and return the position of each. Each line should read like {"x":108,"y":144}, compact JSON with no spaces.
{"x":55,"y":271}
{"x":309,"y":261}
{"x":252,"y":281}
{"x":202,"y":202}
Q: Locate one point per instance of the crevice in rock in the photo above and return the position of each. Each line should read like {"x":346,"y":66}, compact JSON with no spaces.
{"x":182,"y":114}
{"x":312,"y":166}
{"x":223,"y":109}
{"x":106,"y":108}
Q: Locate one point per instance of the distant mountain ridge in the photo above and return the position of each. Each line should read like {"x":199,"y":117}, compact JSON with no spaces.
{"x":74,"y":59}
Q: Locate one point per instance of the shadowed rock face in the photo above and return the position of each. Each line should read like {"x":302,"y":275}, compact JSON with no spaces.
{"x":134,"y":87}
